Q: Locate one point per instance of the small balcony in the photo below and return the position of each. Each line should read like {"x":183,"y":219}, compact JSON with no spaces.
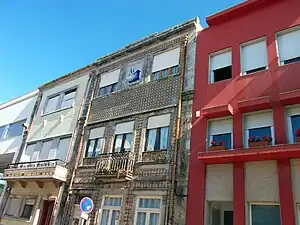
{"x":53,"y":170}
{"x":115,"y":166}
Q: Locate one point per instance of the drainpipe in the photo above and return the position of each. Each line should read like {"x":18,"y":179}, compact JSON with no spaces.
{"x":178,"y":130}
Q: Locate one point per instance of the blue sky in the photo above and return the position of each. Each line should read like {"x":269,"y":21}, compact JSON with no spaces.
{"x":41,"y":40}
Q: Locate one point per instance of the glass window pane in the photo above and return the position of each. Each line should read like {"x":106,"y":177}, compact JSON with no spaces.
{"x":128,"y":142}
{"x":112,"y":201}
{"x":15,"y":129}
{"x":27,"y":211}
{"x":156,"y":75}
{"x":63,"y":148}
{"x":2,"y":182}
{"x":141,"y":218}
{"x":165,"y":73}
{"x":260,"y":132}
{"x":151,"y":138}
{"x":118,"y":143}
{"x":104,"y":217}
{"x":113,"y":87}
{"x":149,"y":203}
{"x":154,"y":217}
{"x":223,"y":138}
{"x":174,"y":70}
{"x":108,"y":89}
{"x":45,"y":150}
{"x":265,"y":215}
{"x":68,"y":99}
{"x":101,"y":91}
{"x":2,"y":131}
{"x":51,"y":104}
{"x":90,"y":148}
{"x":295,"y":125}
{"x":99,"y":146}
{"x":164,"y":134}
{"x":115,"y":217}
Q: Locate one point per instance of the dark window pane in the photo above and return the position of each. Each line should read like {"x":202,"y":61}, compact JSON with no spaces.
{"x":127,"y":142}
{"x":295,"y":125}
{"x":118,"y":143}
{"x":101,"y":91}
{"x":164,"y":134}
{"x":293,"y":60}
{"x":256,"y":70}
{"x":151,"y":139}
{"x":260,"y":132}
{"x":15,"y":129}
{"x":265,"y":215}
{"x":228,"y":217}
{"x":113,"y":87}
{"x":90,"y":148}
{"x":225,"y":138}
{"x":222,"y":74}
{"x":27,"y":211}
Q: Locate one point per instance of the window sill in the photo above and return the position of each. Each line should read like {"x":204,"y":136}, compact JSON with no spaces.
{"x":244,"y":74}
{"x":55,"y":111}
{"x":218,"y":82}
{"x":20,"y":219}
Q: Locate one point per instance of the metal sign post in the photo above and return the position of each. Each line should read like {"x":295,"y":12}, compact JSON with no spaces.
{"x":86,"y":207}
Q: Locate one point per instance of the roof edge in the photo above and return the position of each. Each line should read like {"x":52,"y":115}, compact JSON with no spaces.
{"x":19,"y":99}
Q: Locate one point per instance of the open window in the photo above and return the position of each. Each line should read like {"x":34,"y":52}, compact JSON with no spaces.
{"x":220,"y":66}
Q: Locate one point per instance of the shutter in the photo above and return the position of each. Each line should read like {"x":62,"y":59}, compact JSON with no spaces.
{"x":258,"y":120}
{"x":123,"y":128}
{"x":109,"y":78}
{"x":97,"y":132}
{"x":254,"y":56}
{"x":288,"y":45}
{"x":220,"y":60}
{"x":166,"y":60}
{"x":220,"y":126}
{"x":159,"y":121}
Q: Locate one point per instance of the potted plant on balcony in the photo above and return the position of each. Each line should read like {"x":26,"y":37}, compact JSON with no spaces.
{"x":298,"y":135}
{"x":216,"y":146}
{"x":259,"y":141}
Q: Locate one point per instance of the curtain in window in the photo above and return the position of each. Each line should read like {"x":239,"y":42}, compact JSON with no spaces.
{"x":151,"y":139}
{"x":154,"y":217}
{"x":128,"y":142}
{"x":115,"y":217}
{"x":164,"y":134}
{"x":104,"y":218}
{"x":112,"y":201}
{"x":141,"y":218}
{"x":149,"y":203}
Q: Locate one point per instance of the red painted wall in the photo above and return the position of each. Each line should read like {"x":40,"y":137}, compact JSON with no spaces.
{"x":264,"y":22}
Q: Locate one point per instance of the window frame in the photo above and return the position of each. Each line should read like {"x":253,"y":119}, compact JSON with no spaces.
{"x":60,"y":100}
{"x":6,"y":129}
{"x":225,"y":206}
{"x":122,"y":149}
{"x":148,"y":211}
{"x":160,"y":73}
{"x":95,"y":147}
{"x":262,"y":204}
{"x":210,"y":72}
{"x":20,"y":208}
{"x":251,"y":42}
{"x":110,"y":208}
{"x":289,"y":112}
{"x":113,"y":89}
{"x":157,"y":135}
{"x":283,"y":32}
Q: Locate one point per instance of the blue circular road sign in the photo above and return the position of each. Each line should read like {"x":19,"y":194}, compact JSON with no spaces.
{"x":86,"y":205}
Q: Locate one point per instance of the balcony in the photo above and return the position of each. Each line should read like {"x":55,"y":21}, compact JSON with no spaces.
{"x":270,"y":152}
{"x":115,"y":166}
{"x":53,"y":170}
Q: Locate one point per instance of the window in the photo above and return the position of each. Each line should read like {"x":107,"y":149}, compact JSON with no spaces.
{"x":254,"y":56}
{"x":62,"y":149}
{"x":13,"y":206}
{"x":123,"y":143}
{"x":107,"y":89}
{"x":258,"y":127}
{"x":264,"y":214}
{"x":220,"y":66}
{"x":28,"y":208}
{"x":2,"y":130}
{"x":111,"y":208}
{"x":220,"y":132}
{"x":157,"y":136}
{"x":15,"y":129}
{"x":288,"y":46}
{"x":148,"y":211}
{"x":95,"y":143}
{"x":293,"y":124}
{"x":60,"y":101}
{"x":165,"y":73}
{"x":221,"y":213}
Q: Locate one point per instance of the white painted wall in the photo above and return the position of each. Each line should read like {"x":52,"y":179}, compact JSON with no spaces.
{"x":14,"y":111}
{"x":51,"y":125}
{"x":261,"y":182}
{"x":219,"y":182}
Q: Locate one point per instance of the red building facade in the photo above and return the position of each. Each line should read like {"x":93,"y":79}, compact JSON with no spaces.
{"x":244,"y":151}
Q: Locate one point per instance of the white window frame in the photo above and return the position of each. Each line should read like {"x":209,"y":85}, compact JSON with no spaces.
{"x":210,"y":135}
{"x":60,"y":101}
{"x":211,"y":79}
{"x":289,"y":112}
{"x":148,"y":210}
{"x":224,"y":207}
{"x":286,"y":31}
{"x":260,"y":203}
{"x":110,"y":208}
{"x":252,"y":42}
{"x":246,"y":130}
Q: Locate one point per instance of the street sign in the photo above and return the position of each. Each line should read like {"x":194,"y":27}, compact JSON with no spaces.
{"x":84,"y":216}
{"x":86,"y":205}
